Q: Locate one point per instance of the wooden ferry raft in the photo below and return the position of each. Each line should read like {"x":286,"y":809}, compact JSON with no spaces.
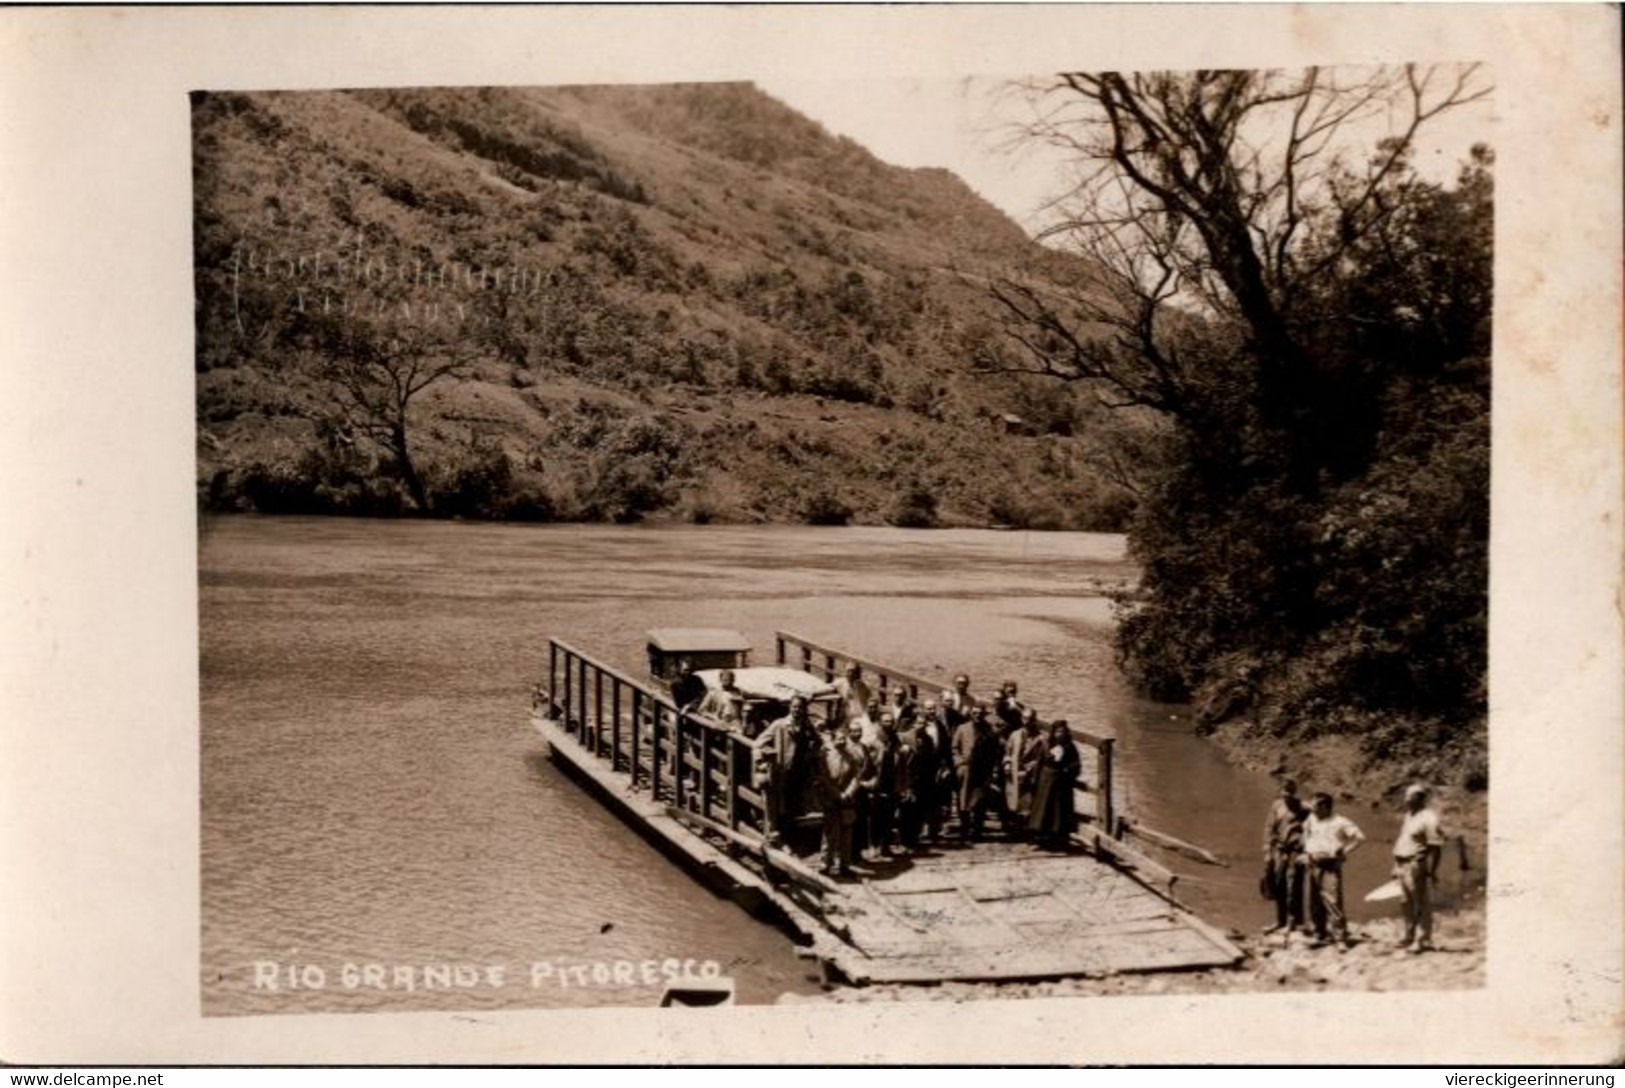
{"x":986,"y":912}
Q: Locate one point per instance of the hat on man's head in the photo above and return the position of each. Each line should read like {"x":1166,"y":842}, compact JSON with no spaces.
{"x":1415,"y":789}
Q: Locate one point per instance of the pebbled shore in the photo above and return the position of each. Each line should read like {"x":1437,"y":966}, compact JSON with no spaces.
{"x":1273,"y":965}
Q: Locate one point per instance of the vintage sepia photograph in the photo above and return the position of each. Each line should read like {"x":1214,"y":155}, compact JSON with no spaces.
{"x":1077,"y":535}
{"x":1066,"y":580}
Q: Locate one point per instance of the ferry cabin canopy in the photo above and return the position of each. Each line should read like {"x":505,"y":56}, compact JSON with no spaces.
{"x":705,"y":648}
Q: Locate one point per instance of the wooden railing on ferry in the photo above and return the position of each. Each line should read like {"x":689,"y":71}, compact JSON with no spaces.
{"x":797,"y":652}
{"x":699,"y":766}
{"x":679,"y":758}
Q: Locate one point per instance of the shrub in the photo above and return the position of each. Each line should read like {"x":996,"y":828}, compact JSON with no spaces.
{"x":479,"y":487}
{"x":914,"y":508}
{"x":824,"y":508}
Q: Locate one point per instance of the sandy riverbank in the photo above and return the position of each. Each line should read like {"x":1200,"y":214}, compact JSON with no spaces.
{"x":1336,"y":765}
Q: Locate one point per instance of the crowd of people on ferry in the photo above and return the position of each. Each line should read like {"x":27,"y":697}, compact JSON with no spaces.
{"x":889,"y":777}
{"x":894,"y":776}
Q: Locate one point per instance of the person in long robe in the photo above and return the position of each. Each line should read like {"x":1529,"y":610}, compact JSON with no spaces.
{"x":1024,"y":755}
{"x":1053,"y":818}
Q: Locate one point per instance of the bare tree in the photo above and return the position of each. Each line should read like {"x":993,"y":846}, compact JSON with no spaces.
{"x":1209,"y":204}
{"x":376,"y":374}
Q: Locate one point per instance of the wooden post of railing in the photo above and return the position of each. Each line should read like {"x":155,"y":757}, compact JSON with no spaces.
{"x":738,"y":756}
{"x":678,"y":763}
{"x":569,"y":664}
{"x":779,"y":649}
{"x":806,"y":659}
{"x":637,"y":732}
{"x":581,"y":699}
{"x":829,"y":667}
{"x":614,"y":722}
{"x":597,"y":712}
{"x":1103,"y":799}
{"x":707,"y":750}
{"x":566,"y":673}
{"x":654,"y":749}
{"x":552,"y":675}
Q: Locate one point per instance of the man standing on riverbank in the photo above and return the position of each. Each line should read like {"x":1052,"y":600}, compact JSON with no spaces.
{"x":1328,"y":840}
{"x":1417,"y":851}
{"x":1283,"y":857}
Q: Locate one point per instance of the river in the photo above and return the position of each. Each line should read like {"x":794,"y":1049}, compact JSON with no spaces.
{"x":372,"y":796}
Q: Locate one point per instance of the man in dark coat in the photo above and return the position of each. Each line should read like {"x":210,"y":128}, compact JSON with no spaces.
{"x":881,"y":785}
{"x":1285,"y":867}
{"x":840,"y":769}
{"x":976,"y":759}
{"x":1009,"y":708}
{"x":916,"y":782}
{"x":687,"y":688}
{"x":783,"y":760}
{"x":938,"y":777}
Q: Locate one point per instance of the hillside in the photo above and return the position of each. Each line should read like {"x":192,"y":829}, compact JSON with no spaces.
{"x":685,"y":301}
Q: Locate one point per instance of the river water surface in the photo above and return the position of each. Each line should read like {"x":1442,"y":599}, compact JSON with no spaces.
{"x":372,"y":795}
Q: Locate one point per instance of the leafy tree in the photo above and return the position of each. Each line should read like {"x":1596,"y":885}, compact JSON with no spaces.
{"x":1288,"y":312}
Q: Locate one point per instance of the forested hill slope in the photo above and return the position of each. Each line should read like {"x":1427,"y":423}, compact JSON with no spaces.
{"x":683,"y":300}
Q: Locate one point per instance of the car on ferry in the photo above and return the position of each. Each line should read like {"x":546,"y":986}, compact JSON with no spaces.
{"x":765,"y":689}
